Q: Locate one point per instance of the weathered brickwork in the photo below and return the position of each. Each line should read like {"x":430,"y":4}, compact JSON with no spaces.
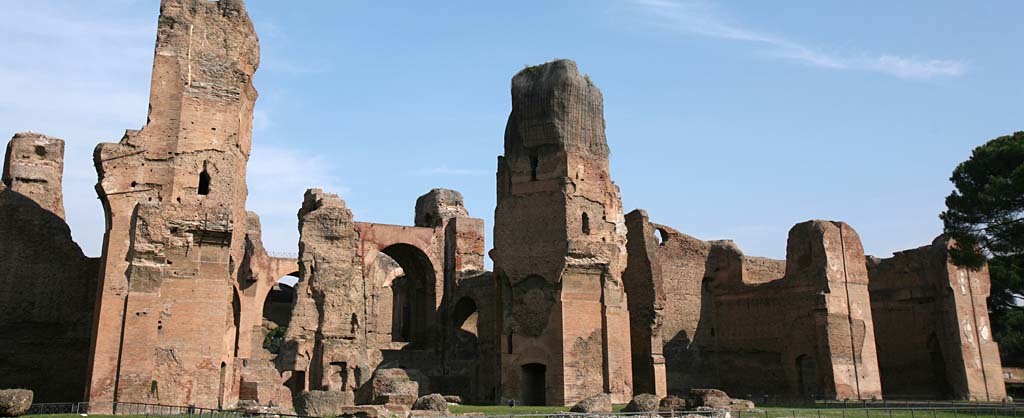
{"x":375,"y":296}
{"x":800,"y":327}
{"x":47,"y":285}
{"x":559,"y":245}
{"x":174,"y":197}
{"x":948,"y":351}
{"x":186,"y":307}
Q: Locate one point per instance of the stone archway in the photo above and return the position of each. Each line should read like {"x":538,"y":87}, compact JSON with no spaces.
{"x":277,"y":310}
{"x":413,"y":295}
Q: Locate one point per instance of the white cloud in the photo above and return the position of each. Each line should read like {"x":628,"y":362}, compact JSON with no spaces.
{"x":67,"y":74}
{"x":277,"y":178}
{"x":80,"y":72}
{"x":699,"y":18}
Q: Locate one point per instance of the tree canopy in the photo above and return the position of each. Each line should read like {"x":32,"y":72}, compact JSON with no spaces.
{"x":985,"y":216}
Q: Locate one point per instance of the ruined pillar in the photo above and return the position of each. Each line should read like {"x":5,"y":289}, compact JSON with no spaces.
{"x":174,"y":198}
{"x":34,"y":168}
{"x":559,"y":245}
{"x":645,"y":286}
{"x":949,"y":352}
{"x":47,"y":285}
{"x":827,"y":255}
{"x":328,"y":342}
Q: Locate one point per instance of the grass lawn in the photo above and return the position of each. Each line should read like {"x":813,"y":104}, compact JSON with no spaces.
{"x":781,"y":412}
{"x":769,"y":412}
{"x":518,"y":410}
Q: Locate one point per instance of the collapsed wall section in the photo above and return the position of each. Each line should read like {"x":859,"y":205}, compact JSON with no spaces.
{"x":47,"y":285}
{"x":948,"y":352}
{"x":559,"y":245}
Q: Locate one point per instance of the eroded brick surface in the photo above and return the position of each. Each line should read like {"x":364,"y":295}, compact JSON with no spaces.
{"x":948,"y":352}
{"x":716,"y":314}
{"x":174,"y":197}
{"x":559,"y":245}
{"x":180,"y":306}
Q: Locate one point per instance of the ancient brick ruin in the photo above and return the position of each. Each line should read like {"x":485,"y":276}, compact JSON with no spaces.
{"x":186,"y":307}
{"x":949,"y":352}
{"x":559,"y":245}
{"x":705,"y":314}
{"x":47,"y":285}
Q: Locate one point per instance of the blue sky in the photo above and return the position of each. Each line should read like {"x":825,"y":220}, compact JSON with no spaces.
{"x":726,"y":120}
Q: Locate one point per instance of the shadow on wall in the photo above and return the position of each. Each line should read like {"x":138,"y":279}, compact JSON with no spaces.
{"x":47,"y":294}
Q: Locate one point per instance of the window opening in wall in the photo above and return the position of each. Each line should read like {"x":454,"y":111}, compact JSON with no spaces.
{"x":534,"y":162}
{"x":586,"y":224}
{"x":661,"y":236}
{"x":204,"y":181}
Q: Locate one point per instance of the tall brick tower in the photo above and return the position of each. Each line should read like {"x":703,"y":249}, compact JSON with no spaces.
{"x":174,"y":196}
{"x":559,"y":245}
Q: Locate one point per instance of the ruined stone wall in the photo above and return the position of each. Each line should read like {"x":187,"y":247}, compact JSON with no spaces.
{"x":670,"y":310}
{"x":174,"y":195}
{"x":559,"y":244}
{"x":949,"y":351}
{"x":812,"y":327}
{"x":47,"y":285}
{"x":380,"y":296}
{"x":751,"y":325}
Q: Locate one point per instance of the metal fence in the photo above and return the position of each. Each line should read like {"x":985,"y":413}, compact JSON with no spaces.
{"x":144,"y":410}
{"x":889,"y":410}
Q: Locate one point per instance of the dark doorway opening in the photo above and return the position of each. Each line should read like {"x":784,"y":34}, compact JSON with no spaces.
{"x":807,"y":374}
{"x":938,"y":363}
{"x":533,"y":384}
{"x":413,"y":303}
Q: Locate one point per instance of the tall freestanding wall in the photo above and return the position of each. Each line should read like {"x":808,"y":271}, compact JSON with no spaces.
{"x":559,"y":245}
{"x":166,"y":324}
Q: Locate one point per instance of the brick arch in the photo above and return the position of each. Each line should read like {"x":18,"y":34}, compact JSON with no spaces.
{"x":375,"y":238}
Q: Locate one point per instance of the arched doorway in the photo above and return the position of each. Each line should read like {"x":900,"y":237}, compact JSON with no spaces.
{"x":533,"y":384}
{"x":413,"y":295}
{"x":277,"y":313}
{"x":464,"y":326}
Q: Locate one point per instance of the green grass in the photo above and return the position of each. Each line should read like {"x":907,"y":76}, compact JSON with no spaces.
{"x":518,"y":410}
{"x":781,"y":412}
{"x":762,"y":412}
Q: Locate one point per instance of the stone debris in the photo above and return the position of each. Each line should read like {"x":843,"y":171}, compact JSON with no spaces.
{"x":431,"y":402}
{"x":395,"y":386}
{"x":672,"y":403}
{"x":597,"y":404}
{"x":15,"y":402}
{"x":644,"y":402}
{"x":322,"y":403}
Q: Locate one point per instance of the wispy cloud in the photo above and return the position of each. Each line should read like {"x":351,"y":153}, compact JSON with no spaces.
{"x":446,"y":171}
{"x":278,"y":177}
{"x":700,"y":18}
